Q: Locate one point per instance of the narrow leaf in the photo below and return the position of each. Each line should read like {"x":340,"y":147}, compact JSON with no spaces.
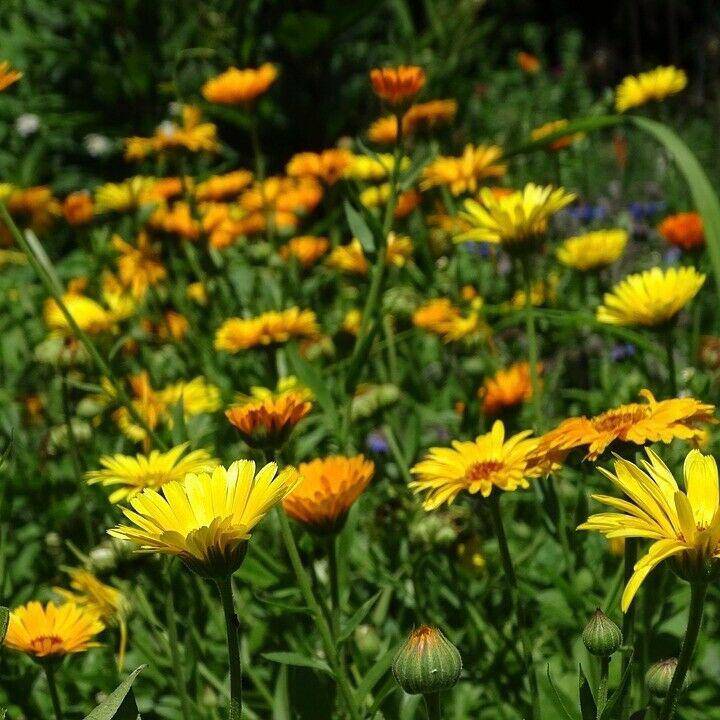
{"x":294,"y":658}
{"x":615,"y":697}
{"x":4,"y":622}
{"x":120,"y":703}
{"x":560,"y":704}
{"x":359,"y":228}
{"x":587,"y":701}
{"x":357,"y":617}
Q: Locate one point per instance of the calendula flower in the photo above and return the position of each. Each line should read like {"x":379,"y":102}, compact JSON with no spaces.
{"x":384,"y":130}
{"x":78,"y":208}
{"x":7,"y":75}
{"x":375,"y":168}
{"x":397,"y":85}
{"x":307,"y":249}
{"x":139,"y":265}
{"x":656,"y":85}
{"x":327,"y":491}
{"x":222,"y":187}
{"x":528,"y":62}
{"x":515,"y":220}
{"x":352,"y":321}
{"x":207,"y":519}
{"x":135,"y":473}
{"x":197,"y":293}
{"x":464,"y":174}
{"x":124,"y":196}
{"x":683,"y":525}
{"x":349,"y":258}
{"x":506,"y":389}
{"x":593,"y":250}
{"x":440,"y":317}
{"x":328,"y":165}
{"x":552,"y":127}
{"x":650,"y":298}
{"x":52,"y":631}
{"x":239,"y":87}
{"x":490,"y":461}
{"x":684,"y":230}
{"x":421,"y":117}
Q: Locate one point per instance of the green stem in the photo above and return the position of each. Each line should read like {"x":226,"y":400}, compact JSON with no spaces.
{"x":49,"y":668}
{"x":232,"y":627}
{"x":669,"y":338}
{"x":432,"y":705}
{"x":602,"y":691}
{"x":628,"y":626}
{"x":334,"y":584}
{"x":532,"y":343}
{"x":698,"y":591}
{"x":171,"y":624}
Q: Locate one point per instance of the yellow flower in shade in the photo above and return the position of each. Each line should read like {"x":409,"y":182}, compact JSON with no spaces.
{"x":506,"y":389}
{"x":307,"y":249}
{"x":139,"y":265}
{"x":7,"y":75}
{"x":683,"y":525}
{"x":352,"y":321}
{"x":197,"y":293}
{"x":206,"y":520}
{"x":684,"y":230}
{"x":135,"y":473}
{"x":222,"y":187}
{"x":656,"y":85}
{"x":52,"y":631}
{"x":328,"y":488}
{"x":349,"y":258}
{"x":593,"y":250}
{"x":328,"y":165}
{"x":650,"y":298}
{"x":465,"y":173}
{"x":239,"y":87}
{"x":490,"y":461}
{"x":238,"y":334}
{"x":639,"y":423}
{"x":513,"y":220}
{"x":560,"y":143}
{"x":397,"y":85}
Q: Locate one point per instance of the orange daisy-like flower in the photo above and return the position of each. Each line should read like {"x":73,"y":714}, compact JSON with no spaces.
{"x":78,"y":208}
{"x":308,"y":249}
{"x":397,"y":85}
{"x":139,"y":265}
{"x":528,"y":62}
{"x":222,"y":187}
{"x":7,"y":75}
{"x":328,"y":165}
{"x":685,"y":230}
{"x":506,"y":389}
{"x":239,"y":87}
{"x":327,"y":491}
{"x":420,"y":117}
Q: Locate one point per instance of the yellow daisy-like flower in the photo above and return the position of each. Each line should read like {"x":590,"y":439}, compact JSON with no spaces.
{"x":239,"y":87}
{"x":375,"y":168}
{"x":593,"y":250}
{"x":222,"y":187}
{"x":464,"y":174}
{"x":327,"y":491}
{"x":552,"y":127}
{"x":656,"y":85}
{"x":515,"y":219}
{"x":136,"y":473}
{"x":207,"y":519}
{"x":650,"y":298}
{"x":489,"y":462}
{"x":684,"y":525}
{"x":139,"y":265}
{"x":52,"y":630}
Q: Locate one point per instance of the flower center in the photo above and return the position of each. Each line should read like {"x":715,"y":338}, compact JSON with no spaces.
{"x":483,"y":470}
{"x":620,"y":418}
{"x":45,"y":643}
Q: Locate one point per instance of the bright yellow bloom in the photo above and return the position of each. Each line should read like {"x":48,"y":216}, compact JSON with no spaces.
{"x":375,"y":168}
{"x":124,"y":196}
{"x":352,"y":321}
{"x":650,"y":298}
{"x":397,"y":85}
{"x":506,"y":388}
{"x":308,"y":249}
{"x":139,"y":265}
{"x":239,"y":87}
{"x":349,"y":258}
{"x":197,"y":293}
{"x":515,"y":219}
{"x":656,"y":85}
{"x":52,"y":630}
{"x":684,"y":525}
{"x":476,"y":466}
{"x":552,"y":127}
{"x":136,"y":473}
{"x":593,"y":250}
{"x":206,"y":520}
{"x":463,"y":174}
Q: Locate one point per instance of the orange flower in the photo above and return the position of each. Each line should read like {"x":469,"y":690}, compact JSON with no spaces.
{"x":505,"y":389}
{"x":528,"y":62}
{"x":308,"y":249}
{"x":406,"y":202}
{"x":423,"y":116}
{"x":176,"y":219}
{"x":384,"y":130}
{"x":221,"y":187}
{"x":685,"y":230}
{"x":239,"y":87}
{"x":328,"y":166}
{"x":8,"y":76}
{"x":78,"y":208}
{"x":173,"y":327}
{"x":139,"y":265}
{"x":327,"y":491}
{"x":554,"y":126}
{"x":397,"y":85}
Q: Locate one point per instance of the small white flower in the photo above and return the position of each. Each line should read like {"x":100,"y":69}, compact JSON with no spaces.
{"x":97,"y":145}
{"x":27,"y":124}
{"x":167,"y":128}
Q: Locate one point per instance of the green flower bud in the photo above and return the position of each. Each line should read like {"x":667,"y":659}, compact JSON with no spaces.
{"x":659,"y":676}
{"x":602,"y":637}
{"x":427,"y":663}
{"x":367,"y":640}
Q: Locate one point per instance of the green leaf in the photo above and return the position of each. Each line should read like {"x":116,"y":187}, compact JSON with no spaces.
{"x":359,"y":228}
{"x":357,"y":617}
{"x":120,"y":703}
{"x":375,"y":674}
{"x":294,"y":658}
{"x":587,"y":701}
{"x":4,"y":622}
{"x":559,"y":702}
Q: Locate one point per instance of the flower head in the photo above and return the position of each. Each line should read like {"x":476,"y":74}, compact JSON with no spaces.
{"x":78,"y":208}
{"x":528,"y":62}
{"x":397,"y":85}
{"x":328,"y":165}
{"x":656,"y":85}
{"x":440,"y":317}
{"x":593,"y":250}
{"x":7,"y":75}
{"x":550,"y":128}
{"x":684,"y":230}
{"x":465,"y":173}
{"x":506,"y":389}
{"x":239,"y":87}
{"x":307,"y":249}
{"x":139,"y":265}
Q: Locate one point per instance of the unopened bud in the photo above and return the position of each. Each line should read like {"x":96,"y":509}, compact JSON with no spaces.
{"x":660,"y":675}
{"x":602,"y":637}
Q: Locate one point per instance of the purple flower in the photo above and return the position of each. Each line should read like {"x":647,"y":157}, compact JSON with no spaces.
{"x":621,"y":351}
{"x":377,"y":442}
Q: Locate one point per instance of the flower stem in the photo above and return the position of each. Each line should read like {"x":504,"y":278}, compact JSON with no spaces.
{"x":232,"y":627}
{"x":669,"y":338}
{"x":628,"y":626}
{"x":432,"y":705}
{"x":175,"y":647}
{"x":602,"y":690}
{"x":532,"y":342}
{"x":334,"y":584}
{"x":698,"y":591}
{"x":49,"y":668}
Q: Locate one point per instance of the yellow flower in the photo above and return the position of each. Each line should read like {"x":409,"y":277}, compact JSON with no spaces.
{"x":552,"y":127}
{"x":542,"y":291}
{"x":683,"y":525}
{"x":593,"y":250}
{"x":123,"y":196}
{"x":506,"y":388}
{"x":650,"y":298}
{"x":239,"y":87}
{"x":374,"y":169}
{"x":139,"y":265}
{"x":656,"y":85}
{"x":475,"y":466}
{"x":134,"y":474}
{"x":206,"y":520}
{"x":328,"y":488}
{"x":197,"y":293}
{"x":464,"y":174}
{"x":352,"y":321}
{"x":8,"y":76}
{"x":308,"y":249}
{"x":440,"y":317}
{"x":349,"y":258}
{"x":52,"y":630}
{"x":383,"y":131}
{"x":423,"y":116}
{"x":515,"y":219}
{"x":397,"y":85}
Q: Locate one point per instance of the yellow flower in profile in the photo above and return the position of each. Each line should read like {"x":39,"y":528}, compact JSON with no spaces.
{"x":352,"y":321}
{"x":327,"y":491}
{"x":139,"y":265}
{"x":222,"y":187}
{"x":479,"y":466}
{"x":374,"y":169}
{"x":239,"y":87}
{"x":328,"y":165}
{"x":513,"y":220}
{"x":683,"y":525}
{"x":383,"y":131}
{"x":564,"y":141}
{"x":7,"y":75}
{"x":656,"y":85}
{"x":593,"y":250}
{"x":397,"y":85}
{"x":207,"y":519}
{"x":465,"y":173}
{"x":650,"y":298}
{"x":440,"y":317}
{"x":349,"y":258}
{"x":52,"y":631}
{"x":307,"y":249}
{"x":135,"y":473}
{"x":506,"y":388}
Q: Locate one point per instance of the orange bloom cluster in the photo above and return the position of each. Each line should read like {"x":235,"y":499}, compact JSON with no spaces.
{"x":239,"y":87}
{"x":328,"y":165}
{"x":37,"y":205}
{"x":685,"y":230}
{"x":397,"y":85}
{"x":507,"y":388}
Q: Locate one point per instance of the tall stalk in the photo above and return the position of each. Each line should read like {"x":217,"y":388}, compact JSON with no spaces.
{"x":171,"y":625}
{"x":232,"y":627}
{"x":531,"y":334}
{"x":432,"y":706}
{"x":628,"y":627}
{"x":49,"y":668}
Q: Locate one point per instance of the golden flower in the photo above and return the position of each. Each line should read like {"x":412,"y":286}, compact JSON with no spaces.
{"x":420,"y":117}
{"x":383,"y":131}
{"x":173,"y":326}
{"x":197,"y":293}
{"x":349,"y":258}
{"x":542,"y":291}
{"x":406,"y":202}
{"x":52,"y":630}
{"x":552,"y":127}
{"x":139,"y":265}
{"x":683,"y":524}
{"x":35,"y":203}
{"x":593,"y":250}
{"x":352,"y":321}
{"x":78,"y":208}
{"x":374,"y":169}
{"x":222,"y":187}
{"x":238,"y":334}
{"x":528,"y":62}
{"x":206,"y":520}
{"x":490,"y":461}
{"x":239,"y":87}
{"x":328,"y":165}
{"x":8,"y":76}
{"x":685,"y":230}
{"x":399,"y":249}
{"x":397,"y":85}
{"x":327,"y":491}
{"x":650,"y":298}
{"x":638,"y":423}
{"x":464,"y":174}
{"x":507,"y":388}
{"x":176,"y":219}
{"x":656,"y":85}
{"x":516,"y":219}
{"x":376,"y":196}
{"x":307,"y":249}
{"x":134,"y":474}
{"x":123,"y":196}
{"x":440,"y":317}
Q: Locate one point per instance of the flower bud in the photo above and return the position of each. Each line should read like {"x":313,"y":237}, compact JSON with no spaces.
{"x":427,"y":663}
{"x":602,"y":637}
{"x":659,"y":676}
